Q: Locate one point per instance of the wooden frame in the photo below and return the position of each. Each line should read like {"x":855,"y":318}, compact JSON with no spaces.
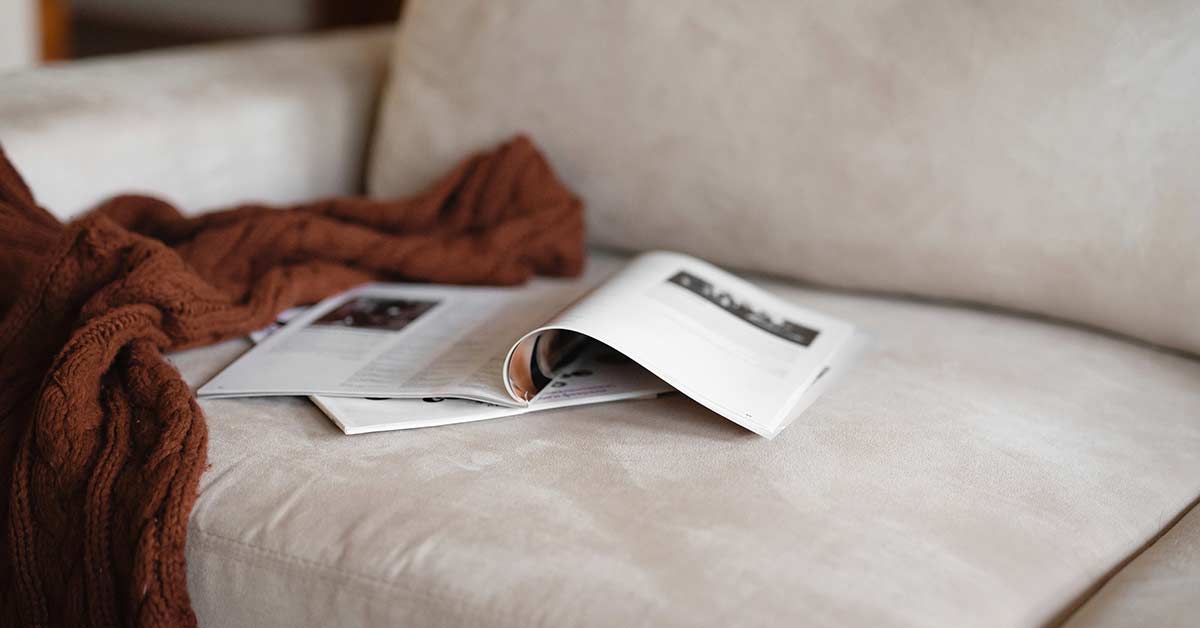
{"x":54,"y":19}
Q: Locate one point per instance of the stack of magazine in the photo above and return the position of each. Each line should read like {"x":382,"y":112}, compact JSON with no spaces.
{"x":398,"y":356}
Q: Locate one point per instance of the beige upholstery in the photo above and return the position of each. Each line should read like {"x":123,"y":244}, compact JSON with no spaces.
{"x":975,"y":469}
{"x":1160,"y":588}
{"x":1036,"y":155}
{"x":275,"y":121}
{"x":19,"y":41}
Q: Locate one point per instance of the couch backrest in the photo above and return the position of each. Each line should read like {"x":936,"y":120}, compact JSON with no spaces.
{"x":1036,"y":155}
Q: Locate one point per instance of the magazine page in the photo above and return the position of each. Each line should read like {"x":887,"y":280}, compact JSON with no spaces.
{"x":747,"y":355}
{"x":403,"y":341}
{"x":597,"y":376}
{"x":845,"y":357}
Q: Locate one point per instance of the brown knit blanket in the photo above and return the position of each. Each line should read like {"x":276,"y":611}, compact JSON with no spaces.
{"x":102,"y":443}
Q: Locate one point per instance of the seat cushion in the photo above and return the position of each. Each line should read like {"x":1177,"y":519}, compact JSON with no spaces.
{"x":975,"y":468}
{"x":1020,"y":153}
{"x":1158,"y":588}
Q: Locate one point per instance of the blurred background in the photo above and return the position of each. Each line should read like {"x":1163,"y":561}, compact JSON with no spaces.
{"x":38,"y":31}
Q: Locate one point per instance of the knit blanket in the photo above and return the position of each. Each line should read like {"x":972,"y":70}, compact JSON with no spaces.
{"x":102,"y":444}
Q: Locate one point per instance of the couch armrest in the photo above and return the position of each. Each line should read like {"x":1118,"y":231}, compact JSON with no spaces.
{"x":272,"y":120}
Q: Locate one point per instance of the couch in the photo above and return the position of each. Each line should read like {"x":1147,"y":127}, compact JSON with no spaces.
{"x":981,"y":465}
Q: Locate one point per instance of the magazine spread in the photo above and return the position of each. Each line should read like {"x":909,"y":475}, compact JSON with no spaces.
{"x":392,"y":356}
{"x":593,"y":378}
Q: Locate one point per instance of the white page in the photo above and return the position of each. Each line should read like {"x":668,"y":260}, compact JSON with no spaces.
{"x":600,"y":375}
{"x":403,"y":341}
{"x":361,"y":415}
{"x":736,"y":349}
{"x":357,"y":415}
{"x":851,"y":352}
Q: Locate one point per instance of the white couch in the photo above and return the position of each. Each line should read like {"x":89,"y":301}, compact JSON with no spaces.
{"x":977,"y":468}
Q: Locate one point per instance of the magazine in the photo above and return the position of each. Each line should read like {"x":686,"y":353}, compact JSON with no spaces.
{"x":392,"y":356}
{"x":591,"y":379}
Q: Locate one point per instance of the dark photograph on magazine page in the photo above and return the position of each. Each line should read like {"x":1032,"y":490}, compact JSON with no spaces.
{"x":376,"y":313}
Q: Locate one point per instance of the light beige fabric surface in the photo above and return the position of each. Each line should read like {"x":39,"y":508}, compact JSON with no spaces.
{"x":976,"y":469}
{"x":19,"y":40}
{"x":1160,"y":588}
{"x":273,"y":120}
{"x":1036,"y":155}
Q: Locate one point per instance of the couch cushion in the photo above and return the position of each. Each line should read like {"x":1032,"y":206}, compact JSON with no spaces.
{"x":1033,"y":155}
{"x":1158,"y":588}
{"x":974,"y":469}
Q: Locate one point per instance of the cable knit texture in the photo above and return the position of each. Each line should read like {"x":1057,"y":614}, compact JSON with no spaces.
{"x":103,"y":443}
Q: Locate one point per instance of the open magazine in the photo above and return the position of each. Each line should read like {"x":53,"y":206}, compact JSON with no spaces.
{"x":392,"y":356}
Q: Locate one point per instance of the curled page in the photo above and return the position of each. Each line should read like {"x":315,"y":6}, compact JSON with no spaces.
{"x":738,"y":350}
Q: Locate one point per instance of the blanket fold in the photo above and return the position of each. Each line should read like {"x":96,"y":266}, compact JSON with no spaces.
{"x":102,"y":443}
